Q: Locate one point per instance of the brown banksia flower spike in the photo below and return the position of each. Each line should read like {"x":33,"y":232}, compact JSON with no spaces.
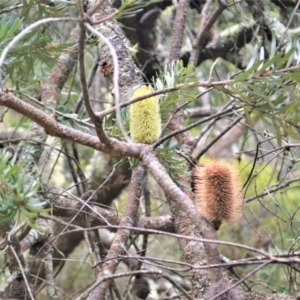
{"x":141,"y":287}
{"x":218,"y":192}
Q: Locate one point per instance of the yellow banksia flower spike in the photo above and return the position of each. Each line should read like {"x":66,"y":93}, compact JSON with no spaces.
{"x":145,"y":120}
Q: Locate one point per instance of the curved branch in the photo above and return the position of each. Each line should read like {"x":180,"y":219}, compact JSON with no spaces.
{"x":52,"y":127}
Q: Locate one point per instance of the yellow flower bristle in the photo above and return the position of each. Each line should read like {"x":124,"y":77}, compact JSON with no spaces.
{"x":145,"y":120}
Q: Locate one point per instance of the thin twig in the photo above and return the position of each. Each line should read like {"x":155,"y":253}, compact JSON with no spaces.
{"x":210,"y":124}
{"x":147,"y":202}
{"x":89,"y":82}
{"x":81,"y":45}
{"x":208,"y":84}
{"x":241,"y":280}
{"x":133,"y":273}
{"x":230,"y":126}
{"x":49,"y":277}
{"x":93,"y":9}
{"x":11,"y":8}
{"x":22,"y":271}
{"x":273,"y":190}
{"x":71,"y":166}
{"x":228,"y":111}
{"x":280,"y":44}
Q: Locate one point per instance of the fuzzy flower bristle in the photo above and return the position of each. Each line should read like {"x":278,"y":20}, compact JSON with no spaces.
{"x":145,"y":120}
{"x":218,"y":192}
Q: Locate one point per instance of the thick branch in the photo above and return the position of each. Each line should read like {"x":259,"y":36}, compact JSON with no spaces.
{"x":179,"y":25}
{"x":119,"y":244}
{"x":205,"y":30}
{"x":177,"y":121}
{"x":187,"y":222}
{"x":129,"y":75}
{"x":228,"y":42}
{"x":52,"y":127}
{"x":65,"y":208}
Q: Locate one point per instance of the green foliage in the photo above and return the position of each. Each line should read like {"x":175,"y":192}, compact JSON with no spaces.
{"x":170,"y":157}
{"x":18,"y":198}
{"x":43,"y":8}
{"x":175,"y":74}
{"x":9,"y":26}
{"x":111,"y":124}
{"x":71,"y":119}
{"x":37,"y":48}
{"x":267,"y":90}
{"x":130,"y":8}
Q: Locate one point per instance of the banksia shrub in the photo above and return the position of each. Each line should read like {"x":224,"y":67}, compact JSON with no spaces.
{"x":17,"y":197}
{"x":218,"y":192}
{"x":145,"y":121}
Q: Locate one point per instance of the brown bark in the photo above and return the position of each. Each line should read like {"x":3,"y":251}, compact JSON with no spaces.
{"x":187,"y":222}
{"x":178,"y":29}
{"x":67,"y":209}
{"x":204,"y":31}
{"x":129,"y":74}
{"x":118,"y":246}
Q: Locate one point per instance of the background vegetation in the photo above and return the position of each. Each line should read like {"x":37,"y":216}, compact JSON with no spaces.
{"x":85,"y":213}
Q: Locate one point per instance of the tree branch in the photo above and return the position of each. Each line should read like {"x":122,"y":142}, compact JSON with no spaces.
{"x":119,"y":244}
{"x":204,"y":30}
{"x":178,"y":29}
{"x":52,"y":127}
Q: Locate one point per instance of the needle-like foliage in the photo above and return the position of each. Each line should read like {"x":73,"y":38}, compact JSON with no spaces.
{"x":17,"y":197}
